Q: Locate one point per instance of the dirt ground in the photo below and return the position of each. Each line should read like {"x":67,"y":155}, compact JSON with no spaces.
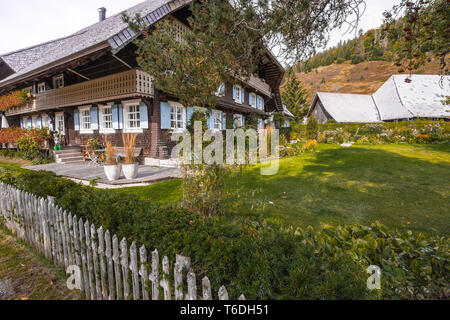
{"x":25,"y":275}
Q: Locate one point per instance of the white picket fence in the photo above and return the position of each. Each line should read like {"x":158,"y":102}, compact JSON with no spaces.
{"x":110,"y":271}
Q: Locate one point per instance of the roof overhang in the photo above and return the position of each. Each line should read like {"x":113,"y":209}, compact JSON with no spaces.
{"x":68,"y":59}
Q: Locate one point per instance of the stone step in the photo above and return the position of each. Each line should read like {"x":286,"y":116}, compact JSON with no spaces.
{"x":70,"y":159}
{"x":68,"y":150}
{"x":68,"y":155}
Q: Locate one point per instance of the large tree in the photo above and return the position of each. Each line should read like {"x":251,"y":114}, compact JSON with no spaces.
{"x":296,"y":98}
{"x":424,"y":28}
{"x":228,"y":39}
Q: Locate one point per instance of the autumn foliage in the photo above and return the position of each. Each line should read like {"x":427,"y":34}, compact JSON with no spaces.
{"x":14,"y":99}
{"x":11,"y":135}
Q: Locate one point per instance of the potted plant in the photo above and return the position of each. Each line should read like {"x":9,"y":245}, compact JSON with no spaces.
{"x":130,"y":167}
{"x":111,"y":167}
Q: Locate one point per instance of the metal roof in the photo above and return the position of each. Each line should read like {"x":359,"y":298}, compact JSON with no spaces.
{"x":349,"y":107}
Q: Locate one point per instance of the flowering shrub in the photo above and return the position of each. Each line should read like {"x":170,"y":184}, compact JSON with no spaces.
{"x":31,"y":144}
{"x":419,"y":131}
{"x":14,"y":99}
{"x":11,"y":135}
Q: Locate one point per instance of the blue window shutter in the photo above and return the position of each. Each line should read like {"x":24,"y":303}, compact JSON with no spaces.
{"x":115,"y":116}
{"x":242,"y":95}
{"x":189,"y":113}
{"x":234,"y":92}
{"x":76,"y":120}
{"x":94,"y":118}
{"x":21,"y":122}
{"x":262,"y":104}
{"x":224,"y":121}
{"x":39,"y":122}
{"x":165,"y":115}
{"x":250,"y":99}
{"x":243,"y":121}
{"x":120,"y":112}
{"x":144,"y":115}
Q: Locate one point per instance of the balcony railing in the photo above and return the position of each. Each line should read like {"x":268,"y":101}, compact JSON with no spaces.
{"x":122,"y":85}
{"x":259,"y":85}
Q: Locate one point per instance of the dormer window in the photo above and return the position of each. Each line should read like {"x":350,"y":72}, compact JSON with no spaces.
{"x":58,"y":81}
{"x":41,"y":87}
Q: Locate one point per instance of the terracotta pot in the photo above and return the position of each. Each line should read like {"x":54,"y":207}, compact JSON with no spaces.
{"x":130,"y":170}
{"x":112,"y":172}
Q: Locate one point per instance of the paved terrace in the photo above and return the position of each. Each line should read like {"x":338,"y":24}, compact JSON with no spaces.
{"x":82,"y":172}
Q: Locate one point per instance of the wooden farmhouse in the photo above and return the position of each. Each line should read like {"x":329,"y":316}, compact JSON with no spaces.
{"x":88,"y":85}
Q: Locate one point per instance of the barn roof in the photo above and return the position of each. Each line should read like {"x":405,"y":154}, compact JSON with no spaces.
{"x":421,"y":97}
{"x":349,"y":107}
{"x":397,"y":99}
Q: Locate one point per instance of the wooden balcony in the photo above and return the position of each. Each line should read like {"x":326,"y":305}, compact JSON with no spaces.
{"x":259,"y":85}
{"x":128,"y":84}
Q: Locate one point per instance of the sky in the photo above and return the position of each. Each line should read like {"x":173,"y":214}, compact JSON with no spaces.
{"x":24,"y":23}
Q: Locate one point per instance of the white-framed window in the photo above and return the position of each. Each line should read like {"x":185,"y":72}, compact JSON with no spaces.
{"x":218,"y":121}
{"x":260,"y":102}
{"x":132,"y":116}
{"x":85,"y":119}
{"x":24,"y":122}
{"x":253,"y":99}
{"x":177,"y":116}
{"x":239,"y":98}
{"x":238,"y":121}
{"x":34,"y":122}
{"x":41,"y":87}
{"x":59,"y":123}
{"x":44,"y":120}
{"x":221,"y":90}
{"x":106,"y":120}
{"x":58,"y":81}
{"x":180,"y":29}
{"x":29,"y":89}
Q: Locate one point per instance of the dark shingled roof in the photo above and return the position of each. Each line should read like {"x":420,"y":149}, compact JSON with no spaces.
{"x":112,"y":31}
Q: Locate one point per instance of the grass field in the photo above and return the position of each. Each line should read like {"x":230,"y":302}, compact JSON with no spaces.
{"x":403,"y":186}
{"x":25,"y":275}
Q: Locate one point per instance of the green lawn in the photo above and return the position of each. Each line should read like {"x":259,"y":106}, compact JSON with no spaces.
{"x":402,"y":186}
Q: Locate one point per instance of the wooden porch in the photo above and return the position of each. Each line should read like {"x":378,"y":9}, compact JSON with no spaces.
{"x":122,"y":85}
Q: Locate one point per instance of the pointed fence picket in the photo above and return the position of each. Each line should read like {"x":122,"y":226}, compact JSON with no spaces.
{"x":109,"y":270}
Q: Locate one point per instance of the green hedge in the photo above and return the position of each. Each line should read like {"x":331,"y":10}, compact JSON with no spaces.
{"x":257,"y":258}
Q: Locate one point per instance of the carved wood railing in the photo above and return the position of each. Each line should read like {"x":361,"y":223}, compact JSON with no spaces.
{"x":117,"y":86}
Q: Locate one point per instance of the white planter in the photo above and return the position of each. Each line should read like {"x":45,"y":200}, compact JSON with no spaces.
{"x":130,"y":170}
{"x":112,"y":172}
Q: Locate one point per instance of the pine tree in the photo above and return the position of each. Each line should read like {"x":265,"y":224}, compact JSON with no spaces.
{"x":295,"y":96}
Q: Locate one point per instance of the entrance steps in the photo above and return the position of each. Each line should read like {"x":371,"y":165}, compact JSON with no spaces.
{"x":69,"y":155}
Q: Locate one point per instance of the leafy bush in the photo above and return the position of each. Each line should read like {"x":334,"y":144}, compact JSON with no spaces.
{"x":312,"y":128}
{"x":258,"y":258}
{"x":31,"y":144}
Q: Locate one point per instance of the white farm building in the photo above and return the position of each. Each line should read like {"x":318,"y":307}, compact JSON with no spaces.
{"x":402,"y":97}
